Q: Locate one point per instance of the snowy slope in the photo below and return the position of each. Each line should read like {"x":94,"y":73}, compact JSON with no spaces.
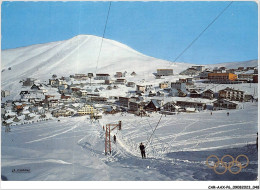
{"x":77,"y":55}
{"x":234,"y":65}
{"x":73,"y":148}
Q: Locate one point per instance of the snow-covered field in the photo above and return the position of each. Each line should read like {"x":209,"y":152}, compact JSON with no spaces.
{"x":73,"y":148}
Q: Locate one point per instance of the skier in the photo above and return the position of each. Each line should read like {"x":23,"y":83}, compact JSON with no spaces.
{"x":114,"y":138}
{"x":227,"y":113}
{"x":210,"y":113}
{"x":142,"y":148}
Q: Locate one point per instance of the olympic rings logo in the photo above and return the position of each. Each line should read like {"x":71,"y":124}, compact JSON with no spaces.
{"x":227,"y":165}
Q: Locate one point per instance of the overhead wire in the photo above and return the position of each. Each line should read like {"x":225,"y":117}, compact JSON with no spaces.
{"x":103,"y":36}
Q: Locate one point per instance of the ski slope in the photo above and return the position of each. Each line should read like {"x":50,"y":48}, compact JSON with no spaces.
{"x":73,"y":148}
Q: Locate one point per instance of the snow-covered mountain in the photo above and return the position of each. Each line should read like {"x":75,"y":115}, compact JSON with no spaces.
{"x":79,"y":55}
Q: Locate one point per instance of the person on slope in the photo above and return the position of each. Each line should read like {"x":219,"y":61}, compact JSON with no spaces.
{"x":114,"y":138}
{"x":142,"y":148}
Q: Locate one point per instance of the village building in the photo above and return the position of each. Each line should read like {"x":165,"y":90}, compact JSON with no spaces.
{"x":108,"y":82}
{"x":101,"y":76}
{"x":232,"y":94}
{"x":87,"y":110}
{"x":199,"y":68}
{"x":29,"y":116}
{"x":28,"y":82}
{"x":62,"y":113}
{"x":119,"y":74}
{"x":53,"y":103}
{"x":80,"y":77}
{"x":109,"y":88}
{"x":152,"y":93}
{"x":124,"y":101}
{"x":164,"y":72}
{"x":133,"y":74}
{"x":222,"y":104}
{"x":120,"y":81}
{"x":178,"y":86}
{"x":204,"y":74}
{"x":163,"y":85}
{"x":222,"y":77}
{"x":5,"y":93}
{"x":170,"y":107}
{"x":25,"y":94}
{"x":248,"y":76}
{"x":194,"y":94}
{"x":130,"y":84}
{"x":153,"y":105}
{"x":140,"y":88}
{"x":97,"y":99}
{"x":197,"y":105}
{"x":209,"y":94}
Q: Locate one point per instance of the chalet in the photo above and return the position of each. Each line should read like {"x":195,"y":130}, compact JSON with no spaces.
{"x":30,"y":116}
{"x":248,"y":76}
{"x":199,"y":68}
{"x":134,"y":106}
{"x":170,"y":107}
{"x":194,"y":94}
{"x":250,"y":68}
{"x":204,"y":74}
{"x":130,"y":84}
{"x":108,"y":82}
{"x":240,"y":68}
{"x":120,"y":81}
{"x":65,"y":97}
{"x":87,"y":110}
{"x":80,"y":77}
{"x":124,"y":101}
{"x":97,"y":99}
{"x":119,"y":74}
{"x":5,"y":93}
{"x":110,"y":110}
{"x":96,"y":90}
{"x":248,"y":97}
{"x":222,"y":104}
{"x":209,"y":94}
{"x":153,"y":105}
{"x":197,"y":105}
{"x":25,"y":94}
{"x":160,"y":93}
{"x":53,"y":103}
{"x":222,"y":77}
{"x":35,"y":87}
{"x":163,"y":85}
{"x":28,"y":82}
{"x":102,"y":77}
{"x":63,"y":87}
{"x":152,"y":93}
{"x":178,"y":86}
{"x":62,"y":113}
{"x":109,"y":88}
{"x":140,"y":88}
{"x":232,"y":94}
{"x":133,"y":74}
{"x":164,"y":72}
{"x":17,"y":119}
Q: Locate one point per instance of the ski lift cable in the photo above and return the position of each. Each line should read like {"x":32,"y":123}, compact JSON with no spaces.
{"x":200,"y":34}
{"x":103,"y":36}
